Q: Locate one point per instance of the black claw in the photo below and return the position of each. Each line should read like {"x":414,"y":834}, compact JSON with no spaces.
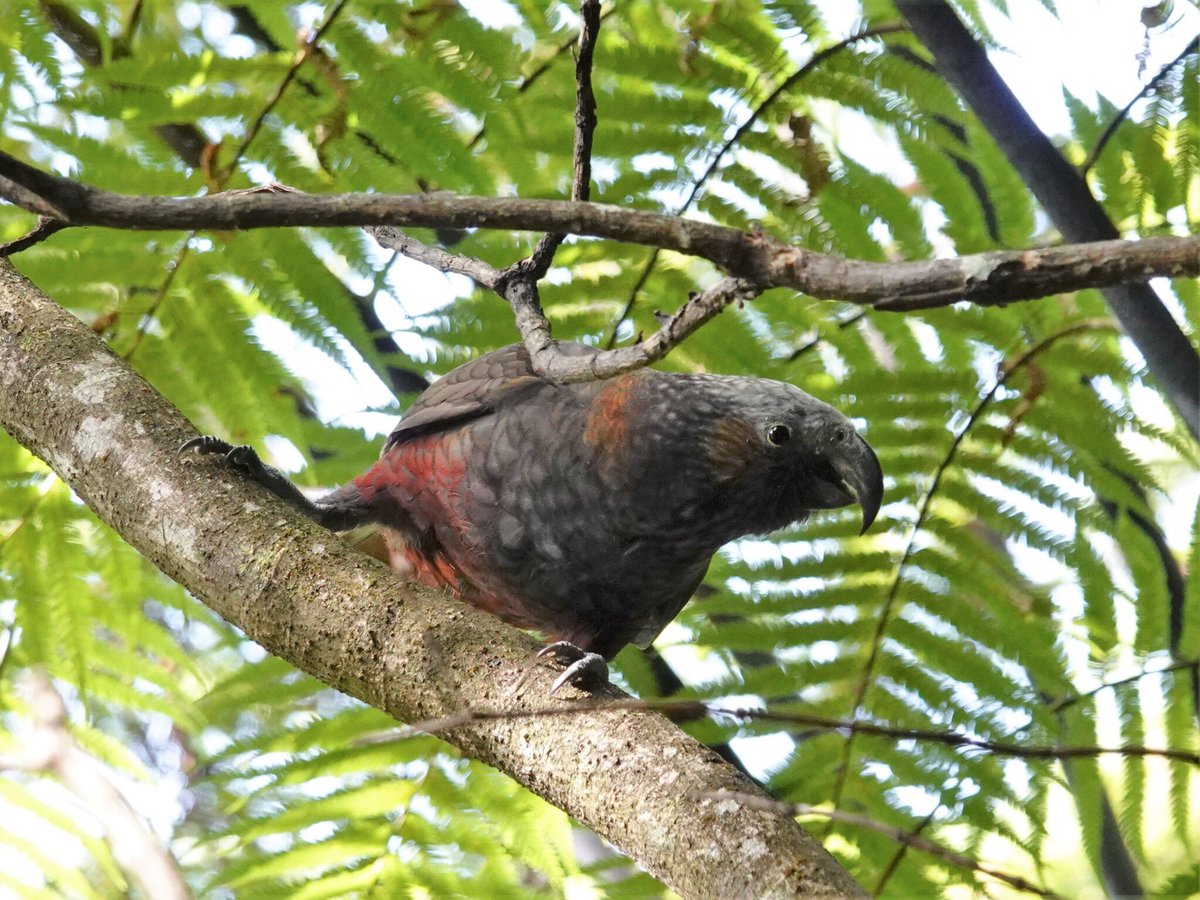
{"x":590,"y":672}
{"x":246,"y":460}
{"x":206,"y":443}
{"x":586,"y":670}
{"x":242,"y":457}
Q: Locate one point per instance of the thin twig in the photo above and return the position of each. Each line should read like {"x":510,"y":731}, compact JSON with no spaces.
{"x":955,"y":739}
{"x":585,"y":102}
{"x":131,"y":23}
{"x":1121,"y":116}
{"x":809,"y":345}
{"x":532,"y":78}
{"x":45,"y":227}
{"x":690,"y":710}
{"x":908,"y":838}
{"x":701,"y":180}
{"x":539,"y":262}
{"x":160,"y":297}
{"x":1069,"y":700}
{"x":898,"y":857}
{"x":301,"y":57}
{"x":890,"y":600}
{"x":392,"y":238}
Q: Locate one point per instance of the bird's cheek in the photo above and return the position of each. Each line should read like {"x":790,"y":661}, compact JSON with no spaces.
{"x":732,"y":448}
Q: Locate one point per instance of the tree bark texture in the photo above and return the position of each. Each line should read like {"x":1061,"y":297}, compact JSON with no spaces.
{"x":987,"y":279}
{"x":412,"y":652}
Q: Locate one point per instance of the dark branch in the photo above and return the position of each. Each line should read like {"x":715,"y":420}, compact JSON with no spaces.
{"x":539,"y":262}
{"x":1192,"y":665}
{"x":585,"y":102}
{"x":986,"y":279}
{"x":533,"y":77}
{"x":44,"y":228}
{"x":690,"y":710}
{"x":1061,"y":190}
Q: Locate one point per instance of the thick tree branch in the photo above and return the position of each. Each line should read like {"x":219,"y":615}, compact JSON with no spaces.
{"x":908,"y":838}
{"x":994,"y":278}
{"x":1063,"y":193}
{"x":345,"y":618}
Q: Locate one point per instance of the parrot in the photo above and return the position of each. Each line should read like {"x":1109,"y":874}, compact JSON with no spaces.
{"x":588,"y":512}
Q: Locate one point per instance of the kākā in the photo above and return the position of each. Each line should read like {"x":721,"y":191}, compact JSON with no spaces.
{"x":588,"y":511}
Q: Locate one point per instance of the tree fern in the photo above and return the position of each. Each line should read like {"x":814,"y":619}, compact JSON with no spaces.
{"x":1015,"y":440}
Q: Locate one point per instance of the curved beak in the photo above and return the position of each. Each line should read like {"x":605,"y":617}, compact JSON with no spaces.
{"x":858,"y":468}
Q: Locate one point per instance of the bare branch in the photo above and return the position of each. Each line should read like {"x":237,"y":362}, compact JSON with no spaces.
{"x":585,"y":101}
{"x":687,"y":710}
{"x":986,"y":279}
{"x":391,"y":238}
{"x":44,"y":228}
{"x":532,"y":78}
{"x":524,"y":298}
{"x":1192,"y":665}
{"x":908,"y":838}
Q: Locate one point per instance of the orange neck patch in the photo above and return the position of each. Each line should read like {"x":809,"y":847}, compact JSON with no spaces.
{"x":732,"y":447}
{"x":608,"y":420}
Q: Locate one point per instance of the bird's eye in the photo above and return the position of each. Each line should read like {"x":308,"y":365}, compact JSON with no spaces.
{"x":778,"y":434}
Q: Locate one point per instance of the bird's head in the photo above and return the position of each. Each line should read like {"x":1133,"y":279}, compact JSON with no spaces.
{"x":781,"y":453}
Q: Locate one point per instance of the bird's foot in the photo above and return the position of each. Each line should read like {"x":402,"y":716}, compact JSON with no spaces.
{"x":245,"y":459}
{"x":585,"y":670}
{"x":241,"y":457}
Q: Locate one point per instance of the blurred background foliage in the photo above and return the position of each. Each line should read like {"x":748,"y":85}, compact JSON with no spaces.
{"x":1037,"y":541}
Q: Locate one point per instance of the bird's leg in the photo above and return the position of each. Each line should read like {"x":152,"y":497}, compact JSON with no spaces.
{"x":586,"y":670}
{"x":337,"y":511}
